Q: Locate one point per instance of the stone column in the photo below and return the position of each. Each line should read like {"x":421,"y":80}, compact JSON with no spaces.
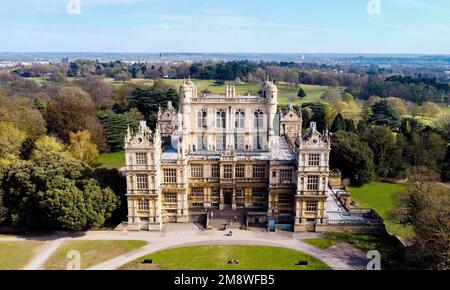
{"x":234,"y":199}
{"x":221,"y":202}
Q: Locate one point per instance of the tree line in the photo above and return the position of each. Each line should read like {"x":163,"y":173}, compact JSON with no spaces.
{"x":362,"y":82}
{"x":382,"y":144}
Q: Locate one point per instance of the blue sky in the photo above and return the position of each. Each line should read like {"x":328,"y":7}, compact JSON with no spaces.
{"x":309,"y":26}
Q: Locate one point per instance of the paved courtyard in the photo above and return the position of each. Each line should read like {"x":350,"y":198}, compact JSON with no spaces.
{"x":180,"y":235}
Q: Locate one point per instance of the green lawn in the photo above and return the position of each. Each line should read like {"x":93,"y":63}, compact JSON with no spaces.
{"x":286,"y":93}
{"x":385,"y":244}
{"x":381,"y":197}
{"x":111,"y":160}
{"x":15,"y":255}
{"x":429,"y":121}
{"x":217,"y":257}
{"x":91,"y":252}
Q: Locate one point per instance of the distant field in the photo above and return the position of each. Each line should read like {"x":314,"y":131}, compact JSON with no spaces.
{"x":91,"y":252}
{"x":16,"y":255}
{"x":381,"y":197}
{"x":286,"y":94}
{"x":217,"y":257}
{"x":111,"y":160}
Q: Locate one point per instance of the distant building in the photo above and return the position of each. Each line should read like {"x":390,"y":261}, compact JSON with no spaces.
{"x":225,"y":156}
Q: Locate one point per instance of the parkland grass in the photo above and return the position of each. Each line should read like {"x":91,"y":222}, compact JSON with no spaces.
{"x":387,"y":245}
{"x":382,"y":197}
{"x":217,"y":258}
{"x":91,"y":252}
{"x":111,"y":160}
{"x":17,"y":254}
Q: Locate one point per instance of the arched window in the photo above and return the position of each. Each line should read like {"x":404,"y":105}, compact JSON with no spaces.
{"x":221,"y":119}
{"x":201,"y":119}
{"x":259,"y":119}
{"x":240,"y":119}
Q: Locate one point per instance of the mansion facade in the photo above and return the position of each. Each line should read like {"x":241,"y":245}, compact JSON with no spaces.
{"x":227,"y":153}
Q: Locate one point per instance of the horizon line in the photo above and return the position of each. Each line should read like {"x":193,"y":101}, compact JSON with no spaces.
{"x":243,"y":52}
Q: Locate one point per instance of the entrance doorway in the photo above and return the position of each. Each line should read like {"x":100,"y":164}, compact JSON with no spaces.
{"x":311,"y":225}
{"x":228,"y":199}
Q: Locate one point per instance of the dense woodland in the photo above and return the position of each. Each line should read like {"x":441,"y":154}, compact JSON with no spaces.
{"x":51,"y":133}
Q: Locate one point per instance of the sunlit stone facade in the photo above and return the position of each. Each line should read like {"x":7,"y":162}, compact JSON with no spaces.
{"x":227,"y":153}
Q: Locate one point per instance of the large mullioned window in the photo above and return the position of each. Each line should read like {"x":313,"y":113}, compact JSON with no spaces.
{"x":285,"y":176}
{"x":259,"y":171}
{"x":313,"y":182}
{"x":141,"y":158}
{"x":197,"y":192}
{"x":311,"y":206}
{"x":240,"y":171}
{"x":197,"y":171}
{"x":170,"y":198}
{"x":170,"y":176}
{"x":259,"y":119}
{"x":240,"y":119}
{"x":314,"y":159}
{"x":143,"y":206}
{"x":142,"y":181}
{"x":215,"y":171}
{"x":221,"y":117}
{"x":202,"y":142}
{"x":228,"y":171}
{"x":202,"y":119}
{"x":220,"y":142}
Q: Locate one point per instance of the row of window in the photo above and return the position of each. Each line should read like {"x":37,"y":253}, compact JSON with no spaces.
{"x":259,"y":171}
{"x":198,"y":192}
{"x":202,"y":144}
{"x":221,"y":142}
{"x":169,"y":198}
{"x":311,"y":205}
{"x":221,"y":117}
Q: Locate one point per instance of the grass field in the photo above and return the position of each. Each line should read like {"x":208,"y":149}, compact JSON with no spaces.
{"x":111,"y":160}
{"x":286,"y":94}
{"x":381,"y":197}
{"x":91,"y":252}
{"x":217,"y":257}
{"x":15,"y":255}
{"x":386,"y":245}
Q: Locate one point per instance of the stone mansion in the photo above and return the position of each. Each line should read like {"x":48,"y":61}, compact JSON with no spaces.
{"x":230,"y":156}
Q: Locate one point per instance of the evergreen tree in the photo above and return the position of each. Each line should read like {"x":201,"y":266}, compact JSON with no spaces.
{"x":301,"y":93}
{"x":350,"y":126}
{"x":382,"y":113}
{"x":116,"y":126}
{"x":338,"y":124}
{"x":387,"y":151}
{"x":352,"y":157}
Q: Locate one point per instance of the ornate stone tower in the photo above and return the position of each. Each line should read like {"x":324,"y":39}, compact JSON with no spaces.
{"x":143,"y":170}
{"x":290,"y":124}
{"x":313,"y":154}
{"x":269,"y":92}
{"x":188,"y":91}
{"x":168,"y":121}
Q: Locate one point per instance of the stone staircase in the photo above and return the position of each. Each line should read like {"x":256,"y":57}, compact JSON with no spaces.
{"x":233,"y":218}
